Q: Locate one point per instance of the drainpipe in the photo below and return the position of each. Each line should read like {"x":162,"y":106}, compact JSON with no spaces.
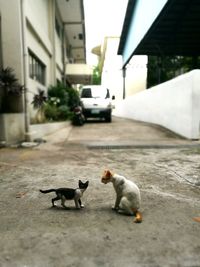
{"x":124,"y":82}
{"x":64,"y":54}
{"x":25,"y":67}
{"x":53,"y":42}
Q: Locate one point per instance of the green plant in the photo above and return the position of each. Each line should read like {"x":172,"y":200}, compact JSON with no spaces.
{"x":64,"y":112}
{"x":9,"y":82}
{"x":74,"y":99}
{"x":58,"y":92}
{"x":58,"y":105}
{"x":164,"y":68}
{"x":51,"y":112}
{"x":54,"y":113}
{"x":66,"y":96}
{"x":38,"y":102}
{"x":10,"y":90}
{"x":39,"y":99}
{"x":96,"y":76}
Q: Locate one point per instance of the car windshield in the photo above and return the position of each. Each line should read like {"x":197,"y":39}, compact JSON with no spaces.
{"x":95,"y":93}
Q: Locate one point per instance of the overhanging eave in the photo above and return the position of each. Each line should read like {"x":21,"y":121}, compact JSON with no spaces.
{"x":175,"y":31}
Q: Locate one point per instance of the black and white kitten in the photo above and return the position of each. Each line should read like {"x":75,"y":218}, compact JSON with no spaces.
{"x":64,"y":194}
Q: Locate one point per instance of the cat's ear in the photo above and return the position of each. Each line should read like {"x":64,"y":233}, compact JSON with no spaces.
{"x":107,"y":177}
{"x":108,"y":173}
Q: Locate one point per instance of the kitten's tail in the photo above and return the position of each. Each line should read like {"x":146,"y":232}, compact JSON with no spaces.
{"x":138,"y":217}
{"x":47,"y":191}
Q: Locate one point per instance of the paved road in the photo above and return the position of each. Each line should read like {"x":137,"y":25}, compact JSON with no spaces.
{"x":34,"y":234}
{"x":128,"y":133}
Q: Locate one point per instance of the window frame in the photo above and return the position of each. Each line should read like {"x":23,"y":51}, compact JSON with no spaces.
{"x":37,"y":69}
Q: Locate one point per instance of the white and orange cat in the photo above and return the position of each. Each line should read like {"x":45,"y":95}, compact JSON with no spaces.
{"x":127,"y":194}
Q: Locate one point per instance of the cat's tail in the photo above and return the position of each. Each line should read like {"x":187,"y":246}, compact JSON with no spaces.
{"x":47,"y":191}
{"x":138,"y":217}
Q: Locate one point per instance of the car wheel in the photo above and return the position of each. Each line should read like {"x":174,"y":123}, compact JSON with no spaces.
{"x":108,"y":118}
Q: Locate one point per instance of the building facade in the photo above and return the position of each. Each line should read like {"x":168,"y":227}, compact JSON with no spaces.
{"x":112,"y":75}
{"x":39,"y":40}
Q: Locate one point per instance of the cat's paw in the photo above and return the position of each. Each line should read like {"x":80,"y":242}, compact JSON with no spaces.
{"x":82,"y":206}
{"x":115,"y":208}
{"x":65,"y":207}
{"x":120,"y":211}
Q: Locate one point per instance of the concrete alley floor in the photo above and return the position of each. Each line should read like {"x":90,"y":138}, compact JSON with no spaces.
{"x":164,"y":166}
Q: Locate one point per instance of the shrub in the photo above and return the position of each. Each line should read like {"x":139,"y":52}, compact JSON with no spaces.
{"x":51,"y":112}
{"x":64,"y":112}
{"x":67,"y":96}
{"x":10,"y":91}
{"x":58,"y":105}
{"x":59,"y":92}
{"x":74,"y":99}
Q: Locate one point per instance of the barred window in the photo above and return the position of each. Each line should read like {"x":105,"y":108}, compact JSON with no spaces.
{"x":36,"y":68}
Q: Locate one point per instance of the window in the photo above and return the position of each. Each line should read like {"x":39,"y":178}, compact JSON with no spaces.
{"x":86,"y":93}
{"x":36,"y":68}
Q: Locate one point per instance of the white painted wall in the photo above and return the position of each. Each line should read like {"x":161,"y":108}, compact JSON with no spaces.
{"x":12,"y":127}
{"x":38,"y":10}
{"x":33,"y":85}
{"x":136,"y":70}
{"x":174,"y":104}
{"x":136,"y":75}
{"x":112,"y":67}
{"x":74,"y":69}
{"x":11,"y":36}
{"x":38,"y":40}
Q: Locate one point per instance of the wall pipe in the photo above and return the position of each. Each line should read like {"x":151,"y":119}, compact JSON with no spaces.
{"x":54,"y":7}
{"x":64,"y":54}
{"x":124,"y":82}
{"x":25,"y":68}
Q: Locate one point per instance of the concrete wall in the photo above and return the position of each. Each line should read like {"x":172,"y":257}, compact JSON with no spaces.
{"x":136,"y":75}
{"x":41,"y":130}
{"x":174,"y":104}
{"x":111,"y":67}
{"x":112,"y":78}
{"x":43,"y":41}
{"x":12,"y":128}
{"x":74,"y":69}
{"x":11,"y":35}
{"x":39,"y":40}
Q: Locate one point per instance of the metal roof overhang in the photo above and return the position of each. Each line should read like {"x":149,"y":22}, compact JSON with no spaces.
{"x":175,"y":31}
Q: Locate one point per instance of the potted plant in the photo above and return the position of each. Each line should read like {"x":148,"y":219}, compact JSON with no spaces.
{"x":38,"y":102}
{"x":11,"y":107}
{"x":10,"y":91}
